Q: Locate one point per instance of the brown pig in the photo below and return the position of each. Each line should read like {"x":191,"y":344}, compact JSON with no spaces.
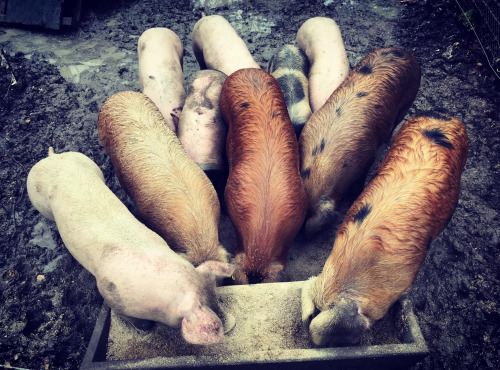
{"x":216,"y":45}
{"x":289,"y":66}
{"x":264,"y":194}
{"x":339,"y":142}
{"x":160,"y":72}
{"x":137,"y":274}
{"x":320,"y":39}
{"x":173,"y":195}
{"x":202,"y":131}
{"x":385,"y":235}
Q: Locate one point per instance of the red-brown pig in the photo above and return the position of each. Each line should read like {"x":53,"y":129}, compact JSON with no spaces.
{"x":320,"y":39}
{"x":137,"y":273}
{"x":216,"y":45}
{"x":202,"y":131}
{"x":264,"y":194}
{"x":289,"y":66}
{"x":339,"y":142}
{"x":385,"y":235}
{"x":173,"y":195}
{"x":160,"y":72}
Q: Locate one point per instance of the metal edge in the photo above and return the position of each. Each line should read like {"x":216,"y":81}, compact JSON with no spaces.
{"x":99,"y":336}
{"x":413,"y":326}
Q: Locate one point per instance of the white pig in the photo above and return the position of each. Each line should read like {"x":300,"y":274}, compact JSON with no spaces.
{"x":137,"y":273}
{"x":160,"y":72}
{"x":216,"y":45}
{"x":321,"y":40}
{"x":202,"y":131}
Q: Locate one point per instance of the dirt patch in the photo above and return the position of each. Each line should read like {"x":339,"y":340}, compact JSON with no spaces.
{"x":50,"y":303}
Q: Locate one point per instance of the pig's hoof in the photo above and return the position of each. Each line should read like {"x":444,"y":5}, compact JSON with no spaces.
{"x":229,"y":323}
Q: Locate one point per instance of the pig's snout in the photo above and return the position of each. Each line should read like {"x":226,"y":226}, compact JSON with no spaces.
{"x":340,"y":324}
{"x":202,"y":326}
{"x":248,"y":271}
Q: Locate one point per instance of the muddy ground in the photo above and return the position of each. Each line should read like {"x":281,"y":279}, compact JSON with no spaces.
{"x":49,"y":303}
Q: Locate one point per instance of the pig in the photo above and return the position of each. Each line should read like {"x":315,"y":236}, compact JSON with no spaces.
{"x":172,"y":194}
{"x":289,"y":66}
{"x":160,"y":72}
{"x":216,"y":45}
{"x":321,"y":40}
{"x":339,"y":142}
{"x":383,"y":239}
{"x":136,"y":272}
{"x":264,"y":196}
{"x":202,"y":131}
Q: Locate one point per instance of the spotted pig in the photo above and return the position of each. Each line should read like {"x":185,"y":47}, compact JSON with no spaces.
{"x":383,"y":240}
{"x":289,"y":66}
{"x":339,"y":142}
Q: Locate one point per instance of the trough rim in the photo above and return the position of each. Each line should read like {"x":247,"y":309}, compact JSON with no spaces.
{"x":415,"y":350}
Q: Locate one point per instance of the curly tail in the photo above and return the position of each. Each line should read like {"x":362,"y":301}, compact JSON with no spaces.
{"x":321,"y":218}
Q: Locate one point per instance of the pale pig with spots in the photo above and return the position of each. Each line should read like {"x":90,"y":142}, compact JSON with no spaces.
{"x":202,"y":131}
{"x":160,"y":72}
{"x":289,"y":66}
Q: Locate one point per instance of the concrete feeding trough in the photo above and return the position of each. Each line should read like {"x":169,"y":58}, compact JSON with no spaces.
{"x":268,"y":334}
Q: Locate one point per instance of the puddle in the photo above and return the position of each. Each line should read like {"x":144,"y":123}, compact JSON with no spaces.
{"x":388,"y":12}
{"x":43,"y":236}
{"x":72,"y":56}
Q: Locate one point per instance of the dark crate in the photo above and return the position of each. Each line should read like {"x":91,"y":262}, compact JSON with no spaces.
{"x":51,"y":14}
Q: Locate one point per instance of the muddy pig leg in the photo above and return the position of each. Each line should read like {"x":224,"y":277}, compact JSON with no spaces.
{"x":290,"y":67}
{"x":160,"y":72}
{"x":321,"y":40}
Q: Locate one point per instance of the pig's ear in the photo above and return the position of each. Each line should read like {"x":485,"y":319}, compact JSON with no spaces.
{"x":216,"y":268}
{"x":308,"y":306}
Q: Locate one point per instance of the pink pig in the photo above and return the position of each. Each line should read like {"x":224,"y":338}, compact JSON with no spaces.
{"x":137,"y":273}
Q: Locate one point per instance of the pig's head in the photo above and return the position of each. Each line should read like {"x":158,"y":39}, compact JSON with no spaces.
{"x":340,"y":323}
{"x":363,"y":276}
{"x":201,"y":324}
{"x":254,"y":270}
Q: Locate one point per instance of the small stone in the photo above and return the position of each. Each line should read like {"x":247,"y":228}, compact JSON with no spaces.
{"x":40,"y":277}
